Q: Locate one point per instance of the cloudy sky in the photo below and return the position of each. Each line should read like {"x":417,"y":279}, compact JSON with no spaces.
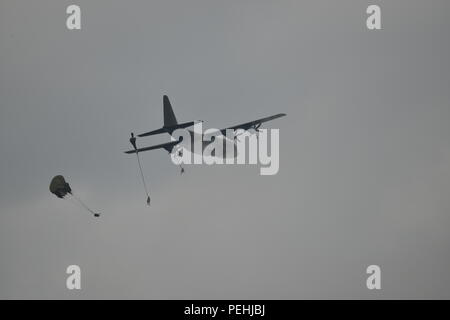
{"x":364,"y":151}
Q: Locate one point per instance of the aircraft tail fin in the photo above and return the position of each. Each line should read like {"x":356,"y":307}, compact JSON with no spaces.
{"x":169,"y":117}
{"x":170,"y":121}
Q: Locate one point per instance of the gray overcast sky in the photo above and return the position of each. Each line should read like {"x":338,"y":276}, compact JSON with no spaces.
{"x":364,"y":151}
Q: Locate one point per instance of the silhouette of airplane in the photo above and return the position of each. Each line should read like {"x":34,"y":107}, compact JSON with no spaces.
{"x":171,"y":124}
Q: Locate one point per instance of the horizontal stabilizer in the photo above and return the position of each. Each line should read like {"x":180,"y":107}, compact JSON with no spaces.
{"x":168,"y":129}
{"x":180,"y":126}
{"x":157,"y":131}
{"x":168,"y":146}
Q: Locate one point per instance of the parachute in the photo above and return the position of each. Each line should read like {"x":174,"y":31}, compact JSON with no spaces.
{"x":60,"y":188}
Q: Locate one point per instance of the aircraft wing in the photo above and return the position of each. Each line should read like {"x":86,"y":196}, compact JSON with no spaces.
{"x":253,"y":124}
{"x":168,"y":146}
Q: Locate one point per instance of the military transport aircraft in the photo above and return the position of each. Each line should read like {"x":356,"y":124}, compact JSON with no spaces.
{"x":171,"y":124}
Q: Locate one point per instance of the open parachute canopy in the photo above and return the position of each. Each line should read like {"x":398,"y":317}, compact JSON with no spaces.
{"x":60,"y":188}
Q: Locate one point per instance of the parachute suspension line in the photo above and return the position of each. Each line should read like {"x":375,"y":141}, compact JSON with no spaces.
{"x":143,"y":178}
{"x":82,"y":203}
{"x":72,"y":199}
{"x":78,"y":203}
